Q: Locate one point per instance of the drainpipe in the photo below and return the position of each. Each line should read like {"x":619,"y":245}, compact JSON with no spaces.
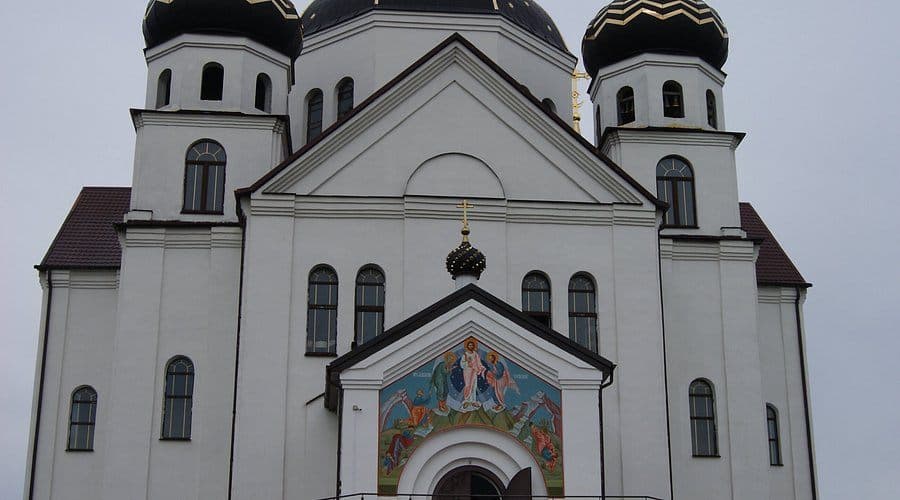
{"x":237,"y":349}
{"x":809,"y":442}
{"x":604,"y":385}
{"x":40,"y":397}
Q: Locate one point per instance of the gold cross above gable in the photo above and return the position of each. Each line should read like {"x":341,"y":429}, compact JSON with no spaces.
{"x":465,"y":206}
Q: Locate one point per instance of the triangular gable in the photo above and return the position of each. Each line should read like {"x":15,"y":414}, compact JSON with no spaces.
{"x":605,"y":172}
{"x":443,"y":307}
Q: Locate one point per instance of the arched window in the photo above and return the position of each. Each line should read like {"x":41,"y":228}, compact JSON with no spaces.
{"x":264,"y":93}
{"x":549,"y":105}
{"x":179,"y":399}
{"x":204,"y":178}
{"x":583,"y":311}
{"x":344,"y":97}
{"x":82,"y":419}
{"x":321,"y":320}
{"x":625,"y":105}
{"x":774,"y":436}
{"x":164,"y":88}
{"x":369,"y":304}
{"x":213,"y":82}
{"x":536,"y":297}
{"x":704,"y":439}
{"x":712,"y":116}
{"x":314,"y":103}
{"x":673,"y":100}
{"x":675,"y":186}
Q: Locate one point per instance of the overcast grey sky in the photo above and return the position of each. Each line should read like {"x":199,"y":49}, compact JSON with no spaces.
{"x":815,"y":83}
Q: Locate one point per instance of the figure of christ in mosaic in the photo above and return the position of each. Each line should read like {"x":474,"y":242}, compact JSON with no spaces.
{"x":475,"y":386}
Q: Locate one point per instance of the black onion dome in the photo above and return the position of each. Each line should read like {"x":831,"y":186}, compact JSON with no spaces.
{"x":527,"y":14}
{"x":626,"y":28}
{"x":273,"y":23}
{"x":466,"y":260}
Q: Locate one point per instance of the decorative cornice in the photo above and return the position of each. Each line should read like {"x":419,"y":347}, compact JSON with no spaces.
{"x":777,"y":294}
{"x":721,"y":250}
{"x":188,"y":237}
{"x":224,"y":119}
{"x":192,"y":41}
{"x":84,"y":280}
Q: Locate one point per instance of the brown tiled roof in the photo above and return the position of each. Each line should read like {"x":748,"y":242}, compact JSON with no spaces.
{"x":773,"y":267}
{"x":87,"y":238}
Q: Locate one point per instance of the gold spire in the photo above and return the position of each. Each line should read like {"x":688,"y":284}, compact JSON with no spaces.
{"x":465,"y":206}
{"x":576,"y":101}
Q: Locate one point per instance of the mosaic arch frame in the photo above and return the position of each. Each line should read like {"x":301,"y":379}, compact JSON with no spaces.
{"x":470,"y":385}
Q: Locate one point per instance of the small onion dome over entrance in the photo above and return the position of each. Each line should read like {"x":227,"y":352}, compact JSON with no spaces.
{"x":626,"y":28}
{"x":527,"y":14}
{"x":273,"y":23}
{"x":466,"y":260}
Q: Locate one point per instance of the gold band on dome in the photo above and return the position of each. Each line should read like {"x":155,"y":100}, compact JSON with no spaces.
{"x":283,"y":6}
{"x":601,"y":20}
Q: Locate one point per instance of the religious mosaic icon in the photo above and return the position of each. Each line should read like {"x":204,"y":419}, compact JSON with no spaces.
{"x":470,"y":385}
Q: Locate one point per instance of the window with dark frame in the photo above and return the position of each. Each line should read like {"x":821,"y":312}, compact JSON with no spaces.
{"x":212,"y":84}
{"x":345,"y":91}
{"x":704,"y":438}
{"x":673,"y":100}
{"x":536,"y":297}
{"x":774,"y":436}
{"x":263,"y":93}
{"x":82,"y":419}
{"x":164,"y":89}
{"x":675,"y":186}
{"x":321,"y":321}
{"x":598,"y":124}
{"x":712,"y":116}
{"x":314,"y":109}
{"x":583,"y":311}
{"x":625,"y":105}
{"x":204,"y":178}
{"x":179,"y":400}
{"x":370,"y":298}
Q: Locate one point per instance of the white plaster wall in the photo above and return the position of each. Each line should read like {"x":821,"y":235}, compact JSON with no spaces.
{"x":711,"y":156}
{"x":79,"y":349}
{"x":646,"y":74}
{"x":710,"y":306}
{"x":780,"y":352}
{"x":241,"y":58}
{"x":253,"y":145}
{"x":377,"y":46}
{"x":178,"y":297}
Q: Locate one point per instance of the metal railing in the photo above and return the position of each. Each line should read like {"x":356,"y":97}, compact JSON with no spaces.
{"x":375,"y":496}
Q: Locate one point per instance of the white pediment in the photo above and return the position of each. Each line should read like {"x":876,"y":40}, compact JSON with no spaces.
{"x":453,"y":127}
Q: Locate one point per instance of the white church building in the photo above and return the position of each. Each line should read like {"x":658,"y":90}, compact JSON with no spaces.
{"x":367,"y":253}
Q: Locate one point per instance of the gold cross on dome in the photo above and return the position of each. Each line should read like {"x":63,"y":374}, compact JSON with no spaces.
{"x":465,"y":206}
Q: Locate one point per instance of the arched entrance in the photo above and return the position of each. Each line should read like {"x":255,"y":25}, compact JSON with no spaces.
{"x":469,"y":483}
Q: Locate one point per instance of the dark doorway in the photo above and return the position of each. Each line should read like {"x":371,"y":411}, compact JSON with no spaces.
{"x":469,"y":483}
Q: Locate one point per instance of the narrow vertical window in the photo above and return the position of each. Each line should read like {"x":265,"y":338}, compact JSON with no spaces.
{"x":344,"y":97}
{"x":370,"y":300}
{"x":263,"y":93}
{"x":314,"y":103}
{"x":583,"y":311}
{"x":204,"y":178}
{"x":536,"y":297}
{"x":179,"y":399}
{"x":704,"y":437}
{"x":321,"y":320}
{"x":625,"y":105}
{"x":82,"y":419}
{"x":164,"y":89}
{"x":673,"y":100}
{"x":675,"y":186}
{"x":549,"y":105}
{"x":774,"y":437}
{"x":598,"y":125}
{"x":212,"y":83}
{"x":712,"y":116}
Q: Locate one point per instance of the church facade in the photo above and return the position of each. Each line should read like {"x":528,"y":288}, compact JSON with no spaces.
{"x":270,"y":311}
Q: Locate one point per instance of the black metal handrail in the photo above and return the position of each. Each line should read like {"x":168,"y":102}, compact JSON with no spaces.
{"x":374,"y":496}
